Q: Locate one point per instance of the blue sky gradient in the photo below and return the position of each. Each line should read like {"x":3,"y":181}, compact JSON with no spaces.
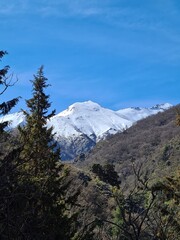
{"x":118,"y":53}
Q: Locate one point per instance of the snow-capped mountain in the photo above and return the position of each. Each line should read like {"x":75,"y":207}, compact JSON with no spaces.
{"x":135,"y":114}
{"x":14,"y":119}
{"x":82,"y":125}
{"x":90,"y":119}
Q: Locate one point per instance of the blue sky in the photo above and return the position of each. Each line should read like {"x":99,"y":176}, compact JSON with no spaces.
{"x":118,"y":53}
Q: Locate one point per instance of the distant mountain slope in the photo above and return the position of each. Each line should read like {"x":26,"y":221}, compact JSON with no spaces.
{"x":154,"y":141}
{"x":84,"y":124}
{"x":135,"y":114}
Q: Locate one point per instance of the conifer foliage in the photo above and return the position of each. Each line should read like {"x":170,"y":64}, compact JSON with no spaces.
{"x":42,"y":173}
{"x":5,"y":82}
{"x":39,"y":147}
{"x":35,"y":201}
{"x":9,"y":155}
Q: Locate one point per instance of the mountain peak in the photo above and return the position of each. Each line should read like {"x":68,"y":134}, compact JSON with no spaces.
{"x":79,"y":107}
{"x":162,"y":106}
{"x":85,"y":105}
{"x":86,"y":123}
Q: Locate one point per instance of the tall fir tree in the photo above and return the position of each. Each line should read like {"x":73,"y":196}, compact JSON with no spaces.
{"x":39,"y":147}
{"x":43,"y":174}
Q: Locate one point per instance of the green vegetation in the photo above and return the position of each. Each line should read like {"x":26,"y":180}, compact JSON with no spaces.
{"x":35,"y":201}
{"x":42,"y":171}
{"x":178,"y":117}
{"x":130,"y":192}
{"x":5,"y":82}
{"x":153,"y":142}
{"x":106,"y":174}
{"x":148,"y":211}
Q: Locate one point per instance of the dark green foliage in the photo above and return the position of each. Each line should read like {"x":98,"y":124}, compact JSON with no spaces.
{"x":166,"y":152}
{"x":14,"y":192}
{"x":178,"y":116}
{"x":107,"y":174}
{"x":37,"y":192}
{"x":42,"y":173}
{"x":133,"y":210}
{"x":5,"y":107}
{"x":5,"y":82}
{"x":147,"y":212}
{"x":39,"y":147}
{"x":168,"y":206}
{"x":9,"y":173}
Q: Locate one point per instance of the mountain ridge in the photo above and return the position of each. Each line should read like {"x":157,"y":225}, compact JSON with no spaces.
{"x":83,"y":124}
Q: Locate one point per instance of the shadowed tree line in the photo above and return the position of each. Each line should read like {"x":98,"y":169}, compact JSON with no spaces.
{"x":34,"y":203}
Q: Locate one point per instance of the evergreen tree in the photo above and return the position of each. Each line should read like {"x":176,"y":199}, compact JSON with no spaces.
{"x":39,"y":148}
{"x":35,"y":201}
{"x":107,"y":174}
{"x":9,"y":156}
{"x":44,"y":176}
{"x":5,"y":82}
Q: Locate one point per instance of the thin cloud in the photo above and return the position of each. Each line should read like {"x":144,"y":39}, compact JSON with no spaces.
{"x":48,"y":8}
{"x":143,"y":36}
{"x":126,"y":17}
{"x":13,"y":8}
{"x":66,"y":9}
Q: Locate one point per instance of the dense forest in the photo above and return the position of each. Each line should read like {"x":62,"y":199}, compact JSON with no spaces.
{"x":121,"y":191}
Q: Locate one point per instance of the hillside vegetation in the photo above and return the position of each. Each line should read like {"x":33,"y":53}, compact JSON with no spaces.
{"x":153,"y":142}
{"x":124,"y":190}
{"x":146,"y":158}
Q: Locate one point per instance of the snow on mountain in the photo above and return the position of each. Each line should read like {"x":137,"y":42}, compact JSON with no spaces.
{"x":161,"y":106}
{"x":83,"y":124}
{"x":90,"y":119}
{"x":135,"y":114}
{"x":14,"y":119}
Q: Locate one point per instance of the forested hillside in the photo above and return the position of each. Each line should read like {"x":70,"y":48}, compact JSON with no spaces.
{"x":153,"y":142}
{"x":145,"y":161}
{"x":126,"y":189}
